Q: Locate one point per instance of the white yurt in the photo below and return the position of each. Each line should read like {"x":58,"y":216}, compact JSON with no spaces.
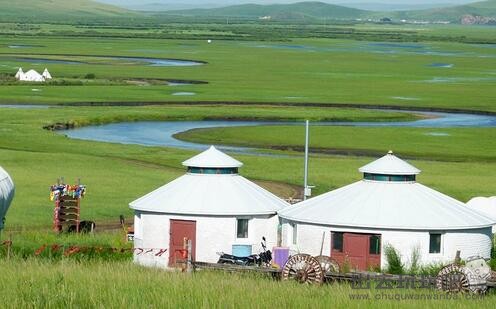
{"x":388,"y":206}
{"x":46,"y":75}
{"x":7,"y":190}
{"x":486,"y":206}
{"x":215,"y":207}
{"x":19,"y":74}
{"x":32,"y":76}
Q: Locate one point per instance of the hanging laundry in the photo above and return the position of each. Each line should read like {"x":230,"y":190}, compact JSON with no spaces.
{"x":59,"y":190}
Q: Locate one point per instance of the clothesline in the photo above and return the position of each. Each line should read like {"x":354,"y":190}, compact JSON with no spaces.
{"x":74,"y":191}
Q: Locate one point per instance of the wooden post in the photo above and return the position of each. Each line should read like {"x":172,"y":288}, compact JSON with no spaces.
{"x":189,"y":262}
{"x":322,"y":243}
{"x":185,"y":248}
{"x":9,"y":245}
{"x":279,"y":233}
{"x":457,"y":258}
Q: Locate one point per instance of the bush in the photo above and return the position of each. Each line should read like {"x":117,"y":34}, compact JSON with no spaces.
{"x":415,"y":261}
{"x":90,"y":76}
{"x":393,"y":258}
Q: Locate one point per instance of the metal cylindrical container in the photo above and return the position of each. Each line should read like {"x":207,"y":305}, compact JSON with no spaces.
{"x":241,"y":250}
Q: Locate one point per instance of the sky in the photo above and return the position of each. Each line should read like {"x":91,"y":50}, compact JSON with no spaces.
{"x":365,"y":4}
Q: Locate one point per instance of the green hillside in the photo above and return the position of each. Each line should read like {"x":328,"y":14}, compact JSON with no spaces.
{"x":454,"y":13}
{"x":301,"y":10}
{"x":319,"y":11}
{"x":40,"y":10}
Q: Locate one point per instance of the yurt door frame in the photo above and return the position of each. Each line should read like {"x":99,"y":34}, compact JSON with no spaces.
{"x":356,"y":250}
{"x":180,"y":229}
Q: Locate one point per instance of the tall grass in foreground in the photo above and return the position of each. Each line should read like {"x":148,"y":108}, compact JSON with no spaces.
{"x":52,"y":246}
{"x":67,"y":284}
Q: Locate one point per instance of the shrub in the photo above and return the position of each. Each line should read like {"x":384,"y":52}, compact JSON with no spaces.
{"x":90,"y":76}
{"x":415,"y":261}
{"x":394,"y":263}
{"x":346,"y":267}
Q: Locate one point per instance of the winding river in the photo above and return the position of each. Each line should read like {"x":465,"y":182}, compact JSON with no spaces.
{"x":161,"y":133}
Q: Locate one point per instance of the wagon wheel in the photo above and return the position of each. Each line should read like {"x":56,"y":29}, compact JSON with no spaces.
{"x":477,"y":281}
{"x":493,"y":276}
{"x":452,"y":279}
{"x":328,"y":264}
{"x":303,"y":268}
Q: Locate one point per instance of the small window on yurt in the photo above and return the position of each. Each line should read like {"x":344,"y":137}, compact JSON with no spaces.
{"x":337,"y":241}
{"x":375,"y":244}
{"x":242,"y":228}
{"x":435,"y":243}
{"x":295,"y":232}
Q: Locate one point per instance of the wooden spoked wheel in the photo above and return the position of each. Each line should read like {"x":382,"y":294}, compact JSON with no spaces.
{"x":304,"y":269}
{"x":328,"y":264}
{"x":452,"y":279}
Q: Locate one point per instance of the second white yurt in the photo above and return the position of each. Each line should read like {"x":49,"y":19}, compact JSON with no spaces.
{"x":212,"y":205}
{"x":486,"y":206}
{"x":387,"y":207}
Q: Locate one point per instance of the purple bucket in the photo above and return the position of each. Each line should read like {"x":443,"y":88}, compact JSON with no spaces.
{"x":281,"y":256}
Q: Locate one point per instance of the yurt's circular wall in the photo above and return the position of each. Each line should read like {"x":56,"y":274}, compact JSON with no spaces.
{"x":7,"y":190}
{"x":387,"y":207}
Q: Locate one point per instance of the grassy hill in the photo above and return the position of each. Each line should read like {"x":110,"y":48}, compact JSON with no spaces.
{"x":319,"y":11}
{"x":41,"y":10}
{"x":453,"y":13}
{"x":295,"y":11}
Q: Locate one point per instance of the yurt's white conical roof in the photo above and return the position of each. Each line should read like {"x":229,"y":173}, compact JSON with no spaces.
{"x":210,"y":194}
{"x":7,"y":190}
{"x":46,"y":74}
{"x":404,"y":205}
{"x":389,"y":165}
{"x":19,"y":73}
{"x":484,"y":205}
{"x":212,"y":158}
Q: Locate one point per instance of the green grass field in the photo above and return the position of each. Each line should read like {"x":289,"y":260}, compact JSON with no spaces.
{"x":442,"y":144}
{"x":295,"y":70}
{"x":117,"y":174}
{"x":35,"y":283}
{"x":303,"y":70}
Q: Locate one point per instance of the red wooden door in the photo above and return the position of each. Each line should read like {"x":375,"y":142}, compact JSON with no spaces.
{"x":359,"y":251}
{"x":356,"y":247}
{"x":180,"y":229}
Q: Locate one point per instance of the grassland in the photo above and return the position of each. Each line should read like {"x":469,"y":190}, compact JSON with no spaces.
{"x":35,"y":283}
{"x":29,"y":10}
{"x":293,"y":68}
{"x":399,"y":75}
{"x":443,"y":144}
{"x":117,"y":174}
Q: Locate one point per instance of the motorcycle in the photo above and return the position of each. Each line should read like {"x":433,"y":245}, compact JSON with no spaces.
{"x":262,"y":259}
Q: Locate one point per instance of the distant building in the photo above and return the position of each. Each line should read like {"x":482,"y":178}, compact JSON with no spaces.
{"x":19,"y":74}
{"x":33,"y":76}
{"x":46,"y":74}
